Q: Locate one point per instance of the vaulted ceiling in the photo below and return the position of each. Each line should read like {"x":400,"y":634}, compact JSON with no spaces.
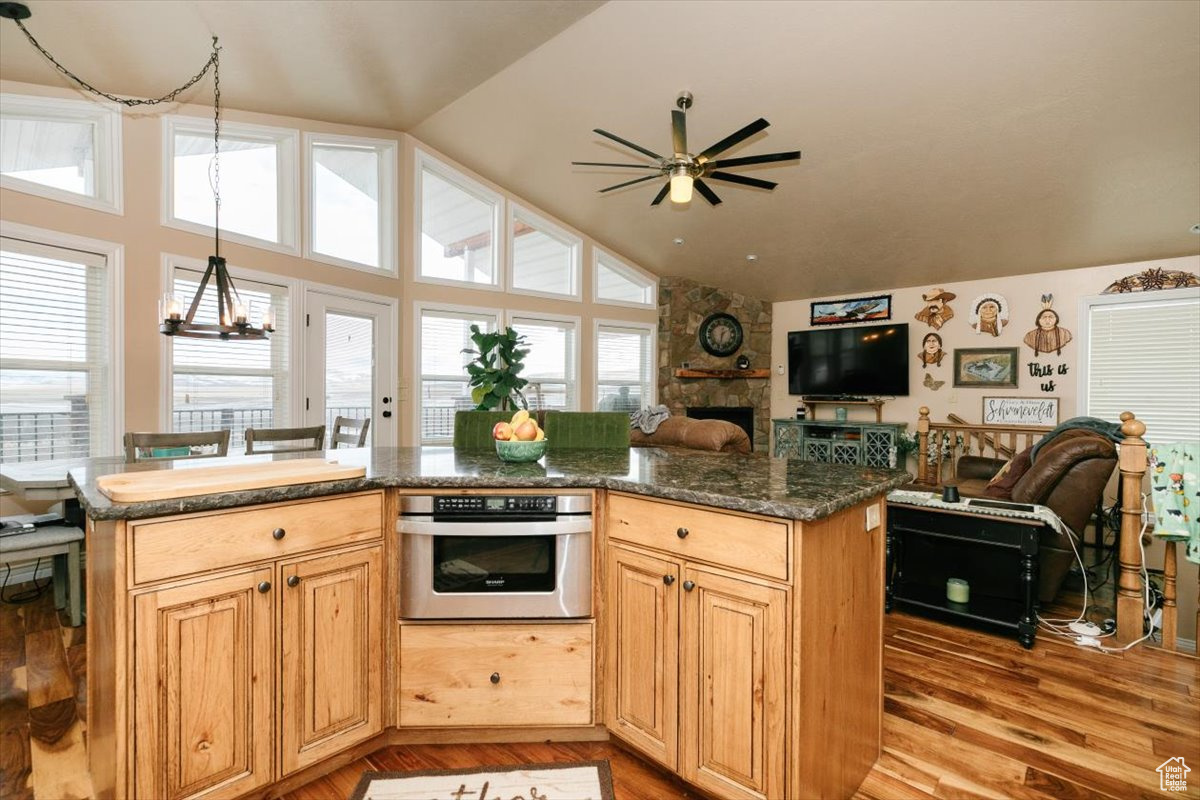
{"x":942,"y":140}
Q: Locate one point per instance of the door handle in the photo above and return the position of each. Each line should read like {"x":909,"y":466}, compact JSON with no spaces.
{"x":688,"y":586}
{"x":386,"y":414}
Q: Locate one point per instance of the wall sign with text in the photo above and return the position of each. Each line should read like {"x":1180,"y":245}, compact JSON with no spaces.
{"x":1020,"y":411}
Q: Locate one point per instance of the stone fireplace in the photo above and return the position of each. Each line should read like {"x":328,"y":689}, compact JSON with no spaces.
{"x":682,"y":306}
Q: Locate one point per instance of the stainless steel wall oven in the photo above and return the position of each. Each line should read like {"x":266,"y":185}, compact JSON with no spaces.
{"x":495,"y":556}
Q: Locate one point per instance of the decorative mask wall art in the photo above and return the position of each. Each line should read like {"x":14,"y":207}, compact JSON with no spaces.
{"x":936,"y":312}
{"x":989,"y":314}
{"x":931,"y":350}
{"x":1047,"y":337}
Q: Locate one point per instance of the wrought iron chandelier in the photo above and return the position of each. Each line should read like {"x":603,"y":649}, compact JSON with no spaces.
{"x":233,"y":316}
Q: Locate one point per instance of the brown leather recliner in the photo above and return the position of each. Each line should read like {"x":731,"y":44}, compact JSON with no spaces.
{"x":1069,"y":476}
{"x":697,"y":434}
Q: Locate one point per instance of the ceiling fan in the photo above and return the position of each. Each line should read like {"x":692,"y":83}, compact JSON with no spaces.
{"x":686,"y":170}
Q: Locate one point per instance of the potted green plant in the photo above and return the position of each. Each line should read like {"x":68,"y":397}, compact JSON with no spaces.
{"x":495,"y":378}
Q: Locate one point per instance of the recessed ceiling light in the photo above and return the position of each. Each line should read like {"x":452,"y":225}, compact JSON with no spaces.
{"x":1196,"y":229}
{"x":752,"y":258}
{"x":678,"y":241}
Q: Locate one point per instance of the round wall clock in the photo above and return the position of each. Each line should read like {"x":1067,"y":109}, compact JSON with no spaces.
{"x":721,"y":334}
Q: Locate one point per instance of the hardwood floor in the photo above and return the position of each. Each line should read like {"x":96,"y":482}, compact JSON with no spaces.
{"x":967,"y":714}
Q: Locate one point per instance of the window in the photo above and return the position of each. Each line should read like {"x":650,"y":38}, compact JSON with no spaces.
{"x":459,"y":221}
{"x":545,"y":258}
{"x":352,"y":201}
{"x":258,"y":181}
{"x":620,"y":284}
{"x":550,"y":366}
{"x":230,"y":385}
{"x":442,"y":389}
{"x":67,"y":150}
{"x":1140,"y":356}
{"x":624,"y":366}
{"x":56,"y":353}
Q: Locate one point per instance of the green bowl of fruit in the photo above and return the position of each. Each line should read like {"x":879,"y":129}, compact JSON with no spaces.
{"x":519,"y":440}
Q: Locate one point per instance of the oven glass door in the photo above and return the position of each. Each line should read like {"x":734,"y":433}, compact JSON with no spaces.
{"x":482,"y":564}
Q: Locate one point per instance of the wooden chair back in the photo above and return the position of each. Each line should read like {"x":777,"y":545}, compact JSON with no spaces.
{"x":297,"y":440}
{"x":150,"y":446}
{"x":349,"y":431}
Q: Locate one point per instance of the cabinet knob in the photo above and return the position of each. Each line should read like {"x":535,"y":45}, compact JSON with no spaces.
{"x":681,"y":533}
{"x":495,"y":677}
{"x":264,"y":587}
{"x":294,"y":581}
{"x":279,"y":533}
{"x":668,"y":579}
{"x":689,"y":585}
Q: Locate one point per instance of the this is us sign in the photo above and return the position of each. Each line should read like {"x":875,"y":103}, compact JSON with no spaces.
{"x":1020,"y":411}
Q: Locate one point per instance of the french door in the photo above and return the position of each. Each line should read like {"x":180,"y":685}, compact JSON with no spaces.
{"x":350,"y":366}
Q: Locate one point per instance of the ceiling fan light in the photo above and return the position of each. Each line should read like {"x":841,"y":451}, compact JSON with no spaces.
{"x":681,"y":185}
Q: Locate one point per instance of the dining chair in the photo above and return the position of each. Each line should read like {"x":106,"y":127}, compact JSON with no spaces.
{"x":349,"y":431}
{"x":295,"y":440}
{"x":149,"y":446}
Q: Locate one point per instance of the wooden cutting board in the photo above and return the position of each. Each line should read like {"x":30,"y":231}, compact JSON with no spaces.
{"x":136,"y":487}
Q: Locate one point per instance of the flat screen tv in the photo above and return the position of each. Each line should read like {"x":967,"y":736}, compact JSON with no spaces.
{"x":854,"y":361}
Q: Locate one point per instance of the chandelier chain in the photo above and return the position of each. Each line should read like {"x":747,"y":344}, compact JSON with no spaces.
{"x":215,"y":61}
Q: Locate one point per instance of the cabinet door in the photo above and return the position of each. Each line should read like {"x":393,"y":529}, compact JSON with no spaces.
{"x":332,"y":641}
{"x":641,"y":675}
{"x":204,"y":687}
{"x":734,"y":671}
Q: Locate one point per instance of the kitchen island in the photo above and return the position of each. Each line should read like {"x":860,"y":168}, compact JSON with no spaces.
{"x":736,"y":633}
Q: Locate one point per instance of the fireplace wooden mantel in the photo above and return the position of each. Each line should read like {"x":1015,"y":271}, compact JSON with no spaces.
{"x":722,"y":374}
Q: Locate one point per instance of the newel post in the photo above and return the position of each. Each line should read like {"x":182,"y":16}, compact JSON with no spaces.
{"x":1129,"y":585}
{"x":923,"y":444}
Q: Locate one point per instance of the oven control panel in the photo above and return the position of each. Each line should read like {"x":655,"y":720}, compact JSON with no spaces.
{"x":490,"y":504}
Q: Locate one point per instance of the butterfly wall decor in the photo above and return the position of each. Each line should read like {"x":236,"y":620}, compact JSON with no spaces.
{"x":930,"y":383}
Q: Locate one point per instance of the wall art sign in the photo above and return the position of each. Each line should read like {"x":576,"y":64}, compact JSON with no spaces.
{"x":989,"y":314}
{"x":1047,"y":337}
{"x":856,"y":309}
{"x":985,"y":367}
{"x":936,"y":311}
{"x":1020,"y":410}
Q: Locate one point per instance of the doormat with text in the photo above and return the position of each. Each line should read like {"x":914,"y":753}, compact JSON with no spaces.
{"x":578,"y":780}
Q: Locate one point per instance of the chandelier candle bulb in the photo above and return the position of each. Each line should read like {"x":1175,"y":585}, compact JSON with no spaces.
{"x":239,"y":313}
{"x":268,"y":320}
{"x":169,"y":308}
{"x":958,"y":590}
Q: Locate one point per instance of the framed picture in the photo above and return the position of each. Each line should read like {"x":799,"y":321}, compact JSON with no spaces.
{"x":1020,"y":411}
{"x":985,"y":367}
{"x":855,"y":309}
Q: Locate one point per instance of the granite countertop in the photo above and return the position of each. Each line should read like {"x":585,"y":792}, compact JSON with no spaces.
{"x":753,"y":483}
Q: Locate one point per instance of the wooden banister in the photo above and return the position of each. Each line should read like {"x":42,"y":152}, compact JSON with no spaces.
{"x":980,"y":440}
{"x":1129,"y":582}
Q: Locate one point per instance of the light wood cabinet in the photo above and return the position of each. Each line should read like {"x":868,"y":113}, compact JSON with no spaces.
{"x":332,"y":654}
{"x":204,"y":687}
{"x":697,"y":671}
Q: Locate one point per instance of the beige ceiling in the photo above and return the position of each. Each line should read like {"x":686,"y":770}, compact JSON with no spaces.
{"x":942,"y":140}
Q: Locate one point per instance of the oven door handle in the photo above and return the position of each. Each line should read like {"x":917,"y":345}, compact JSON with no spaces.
{"x":569,"y":525}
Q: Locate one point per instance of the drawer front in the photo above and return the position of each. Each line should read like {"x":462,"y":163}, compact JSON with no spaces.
{"x":172,"y":548}
{"x":465,"y":676}
{"x":723,"y":538}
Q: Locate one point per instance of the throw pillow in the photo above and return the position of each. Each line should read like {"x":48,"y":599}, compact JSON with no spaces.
{"x":1001,"y":486}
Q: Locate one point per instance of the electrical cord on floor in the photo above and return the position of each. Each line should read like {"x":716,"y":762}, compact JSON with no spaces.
{"x":26,"y":595}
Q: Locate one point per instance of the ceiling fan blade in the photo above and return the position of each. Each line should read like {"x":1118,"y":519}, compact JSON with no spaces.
{"x":627,"y":143}
{"x":607,"y":164}
{"x":679,"y":132}
{"x":628,"y":183}
{"x":706,"y":192}
{"x":658,"y":198}
{"x":733,"y":138}
{"x":742,"y":179}
{"x":764,"y":159}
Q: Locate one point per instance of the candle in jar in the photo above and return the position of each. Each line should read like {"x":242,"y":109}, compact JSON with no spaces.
{"x":239,"y":313}
{"x":268,"y":320}
{"x":958,"y":590}
{"x":170,"y":308}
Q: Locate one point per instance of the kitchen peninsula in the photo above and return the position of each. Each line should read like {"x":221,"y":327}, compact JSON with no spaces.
{"x":243,"y":643}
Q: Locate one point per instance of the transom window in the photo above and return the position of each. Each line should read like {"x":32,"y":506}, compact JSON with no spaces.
{"x":618,"y":283}
{"x":551,"y":364}
{"x":352,"y":201}
{"x":66,"y":150}
{"x":545,"y":258}
{"x":459,"y":221}
{"x":443,"y":389}
{"x":257,"y":181}
{"x":624,"y":366}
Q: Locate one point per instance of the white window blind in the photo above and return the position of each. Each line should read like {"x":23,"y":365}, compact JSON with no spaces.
{"x":550,"y":365}
{"x":443,"y":389}
{"x":619,"y":284}
{"x":352,"y":200}
{"x":229,"y":384}
{"x":55,"y":359}
{"x":1142,"y":357}
{"x":459,"y":224}
{"x":624,"y":367}
{"x":545,"y":258}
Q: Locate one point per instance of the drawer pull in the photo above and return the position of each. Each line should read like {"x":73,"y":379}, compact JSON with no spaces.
{"x":279,"y":533}
{"x":668,"y":579}
{"x":681,"y":533}
{"x":264,"y":587}
{"x":689,"y":585}
{"x":495,"y":677}
{"x":294,"y":581}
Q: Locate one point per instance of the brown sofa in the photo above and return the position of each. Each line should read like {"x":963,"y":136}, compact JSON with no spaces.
{"x":1069,"y":475}
{"x":696,"y":434}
